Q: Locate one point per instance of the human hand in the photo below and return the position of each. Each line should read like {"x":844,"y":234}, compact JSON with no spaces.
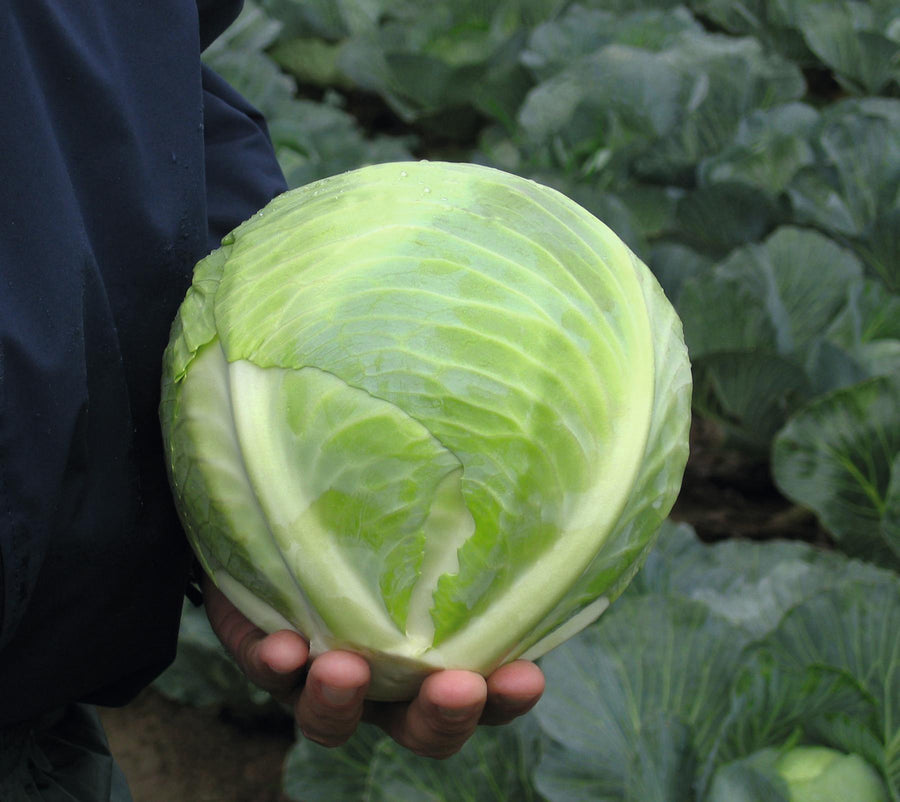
{"x":327,"y":695}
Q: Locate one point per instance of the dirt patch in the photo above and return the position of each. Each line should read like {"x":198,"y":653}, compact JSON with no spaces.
{"x":729,"y":493}
{"x":173,"y":753}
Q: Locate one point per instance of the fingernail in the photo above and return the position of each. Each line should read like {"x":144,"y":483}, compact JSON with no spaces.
{"x":338,"y":696}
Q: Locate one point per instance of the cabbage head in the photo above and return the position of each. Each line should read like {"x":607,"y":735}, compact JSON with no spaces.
{"x":822,"y":774}
{"x":433,"y":413}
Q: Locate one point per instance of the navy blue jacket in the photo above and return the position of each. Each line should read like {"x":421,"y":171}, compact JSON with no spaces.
{"x":122,"y":162}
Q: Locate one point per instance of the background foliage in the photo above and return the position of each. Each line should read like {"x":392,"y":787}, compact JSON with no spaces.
{"x":750,"y":154}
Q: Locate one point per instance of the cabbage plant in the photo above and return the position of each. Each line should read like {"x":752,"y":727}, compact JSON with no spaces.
{"x":432,"y":413}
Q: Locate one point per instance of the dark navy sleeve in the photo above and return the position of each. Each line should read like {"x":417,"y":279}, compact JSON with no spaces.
{"x":215,"y":16}
{"x":235,"y":134}
{"x":123,"y":162}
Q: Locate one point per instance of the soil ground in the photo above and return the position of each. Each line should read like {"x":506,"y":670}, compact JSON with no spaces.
{"x":173,"y":753}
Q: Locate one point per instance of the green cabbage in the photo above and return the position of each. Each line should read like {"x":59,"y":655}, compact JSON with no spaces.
{"x":822,"y":774}
{"x":432,"y":413}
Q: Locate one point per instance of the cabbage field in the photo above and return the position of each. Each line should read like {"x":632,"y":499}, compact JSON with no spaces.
{"x":749,"y":154}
